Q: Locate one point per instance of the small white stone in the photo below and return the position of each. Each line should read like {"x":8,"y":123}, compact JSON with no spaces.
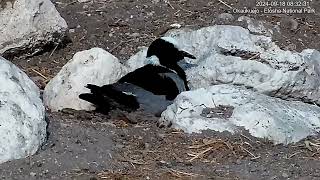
{"x":175,"y":25}
{"x":72,"y":31}
{"x":83,"y":1}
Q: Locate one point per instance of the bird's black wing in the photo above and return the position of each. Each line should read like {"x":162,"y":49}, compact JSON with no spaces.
{"x":152,"y":78}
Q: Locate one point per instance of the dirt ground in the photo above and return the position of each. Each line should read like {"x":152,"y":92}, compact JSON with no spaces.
{"x":87,"y":145}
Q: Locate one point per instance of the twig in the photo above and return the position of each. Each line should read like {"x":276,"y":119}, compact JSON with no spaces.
{"x":248,"y":144}
{"x":73,"y":2}
{"x":133,"y":162}
{"x":203,"y":145}
{"x":121,"y":42}
{"x":186,"y":10}
{"x":55,"y":48}
{"x":296,"y":153}
{"x":225,"y":4}
{"x":200,"y":154}
{"x":256,"y":55}
{"x":307,"y":145}
{"x":168,"y":2}
{"x":46,"y":81}
{"x":246,"y":137}
{"x":183,"y":173}
{"x":251,"y":154}
{"x":37,"y":72}
{"x":314,"y":144}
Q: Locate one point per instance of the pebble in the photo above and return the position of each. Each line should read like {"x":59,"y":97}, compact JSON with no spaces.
{"x":289,"y":23}
{"x":135,"y":34}
{"x":85,"y":6}
{"x":71,"y":31}
{"x":83,"y":1}
{"x":238,"y":161}
{"x":33,"y":174}
{"x":161,"y":136}
{"x":224,"y":18}
{"x":294,"y":24}
{"x":291,"y":47}
{"x":285,"y":175}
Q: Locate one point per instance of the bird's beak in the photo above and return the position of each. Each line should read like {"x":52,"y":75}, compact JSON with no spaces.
{"x":188,"y":55}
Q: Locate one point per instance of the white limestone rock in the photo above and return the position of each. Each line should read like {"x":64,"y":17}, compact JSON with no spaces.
{"x":231,"y":108}
{"x":231,"y":55}
{"x":22,"y":114}
{"x":256,"y":26}
{"x":94,"y":66}
{"x":137,"y":60}
{"x":27,"y":25}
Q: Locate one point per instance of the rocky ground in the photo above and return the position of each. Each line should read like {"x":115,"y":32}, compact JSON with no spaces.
{"x":83,"y":145}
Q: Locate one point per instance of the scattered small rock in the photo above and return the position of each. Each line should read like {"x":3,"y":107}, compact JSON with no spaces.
{"x":176,"y":25}
{"x":72,"y":31}
{"x":291,"y":47}
{"x":289,"y":23}
{"x":224,"y":18}
{"x":134,"y":34}
{"x":255,"y":26}
{"x":85,"y":6}
{"x":285,"y":175}
{"x":83,"y":1}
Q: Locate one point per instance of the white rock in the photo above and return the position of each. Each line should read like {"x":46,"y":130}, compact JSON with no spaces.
{"x":176,"y":25}
{"x":94,"y":66}
{"x":275,"y":72}
{"x":22,"y":114}
{"x":221,"y":52}
{"x":263,"y":116}
{"x":28,"y":25}
{"x":138,"y":60}
{"x":256,"y":26}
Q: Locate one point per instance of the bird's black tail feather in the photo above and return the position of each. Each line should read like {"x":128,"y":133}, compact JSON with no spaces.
{"x":102,"y":106}
{"x":109,"y":97}
{"x":92,"y":98}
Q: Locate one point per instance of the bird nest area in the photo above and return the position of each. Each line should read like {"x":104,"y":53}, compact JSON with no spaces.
{"x":171,"y":154}
{"x":88,"y":145}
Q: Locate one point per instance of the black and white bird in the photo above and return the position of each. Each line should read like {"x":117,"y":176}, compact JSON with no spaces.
{"x":152,"y":87}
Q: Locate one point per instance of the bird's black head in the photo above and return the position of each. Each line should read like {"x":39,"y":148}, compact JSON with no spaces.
{"x":167,"y":51}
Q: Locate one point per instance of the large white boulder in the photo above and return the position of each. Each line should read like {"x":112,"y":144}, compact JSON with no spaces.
{"x":27,"y":25}
{"x":94,"y":66}
{"x":231,"y":55}
{"x":22,"y":114}
{"x":262,"y":85}
{"x":233,"y":108}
